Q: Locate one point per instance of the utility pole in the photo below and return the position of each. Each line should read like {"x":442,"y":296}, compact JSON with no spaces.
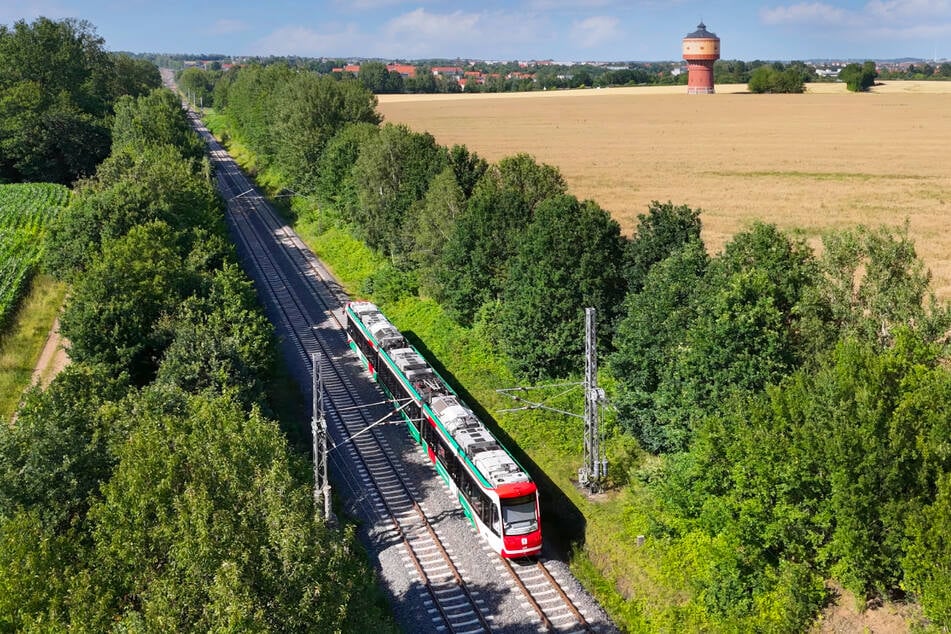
{"x":594,"y":470}
{"x":318,"y":431}
{"x":595,"y":466}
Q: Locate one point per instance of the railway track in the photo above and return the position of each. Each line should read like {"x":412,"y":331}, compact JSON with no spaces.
{"x":305,"y":304}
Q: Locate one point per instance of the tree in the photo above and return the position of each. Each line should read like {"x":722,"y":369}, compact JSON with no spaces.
{"x":429,"y":225}
{"x":770,"y":79}
{"x":53,"y":460}
{"x":392,"y":172}
{"x":118,"y":307}
{"x":373,"y":76}
{"x":874,"y":282}
{"x":310,"y":111}
{"x":154,"y":119}
{"x":335,"y":182}
{"x":474,"y":262}
{"x":661,"y":231}
{"x":927,"y":564}
{"x":54,"y":81}
{"x":198,"y":85}
{"x":859,"y":78}
{"x":248,"y":96}
{"x":220,"y":342}
{"x":548,"y":287}
{"x":654,"y":320}
{"x":134,"y":186}
{"x":206,"y":525}
{"x":468,"y":168}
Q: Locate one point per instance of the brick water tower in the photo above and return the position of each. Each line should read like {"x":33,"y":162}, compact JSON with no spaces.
{"x":701,"y":50}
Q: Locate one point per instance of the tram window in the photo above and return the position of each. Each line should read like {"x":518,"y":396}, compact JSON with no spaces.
{"x":494,"y":524}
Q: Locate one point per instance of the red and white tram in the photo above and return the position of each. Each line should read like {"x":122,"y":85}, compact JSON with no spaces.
{"x":495,"y":492}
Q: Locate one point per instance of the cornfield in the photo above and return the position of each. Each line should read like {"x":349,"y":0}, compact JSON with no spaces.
{"x":25,"y":213}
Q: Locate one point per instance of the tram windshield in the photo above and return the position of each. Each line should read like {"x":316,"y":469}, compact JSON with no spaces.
{"x":518,"y":515}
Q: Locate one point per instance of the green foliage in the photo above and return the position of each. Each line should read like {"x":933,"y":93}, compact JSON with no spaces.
{"x":859,"y":78}
{"x":768,"y":79}
{"x":548,"y":287}
{"x":654,"y":321}
{"x":826,"y":470}
{"x":198,"y":85}
{"x":468,"y":168}
{"x":133,"y":187}
{"x":173,"y":505}
{"x":117,"y":312}
{"x":221,"y":341}
{"x":250,"y":100}
{"x":475,"y":257}
{"x":26,"y":211}
{"x":688,"y":343}
{"x":55,"y":456}
{"x":391,"y":173}
{"x":311,"y":110}
{"x":335,"y":184}
{"x":154,"y":119}
{"x":874,"y":283}
{"x":172,"y":546}
{"x":57,"y":85}
{"x":390,"y":284}
{"x":429,"y":224}
{"x":134,"y":77}
{"x":661,"y":231}
{"x":927,"y":563}
{"x":34,"y":568}
{"x":375,"y":78}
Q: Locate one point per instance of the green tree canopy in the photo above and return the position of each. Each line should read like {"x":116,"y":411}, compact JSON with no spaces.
{"x":133,"y":187}
{"x":859,"y":78}
{"x":569,"y":258}
{"x":154,"y":119}
{"x":335,"y":181}
{"x":311,"y":110}
{"x":118,"y":306}
{"x":475,"y":258}
{"x":661,"y":231}
{"x":57,"y":86}
{"x":392,"y":172}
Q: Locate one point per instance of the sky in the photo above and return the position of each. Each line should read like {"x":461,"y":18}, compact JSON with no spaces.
{"x":561,"y":30}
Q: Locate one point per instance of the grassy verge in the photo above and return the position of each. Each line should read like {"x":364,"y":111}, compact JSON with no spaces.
{"x":22,"y":343}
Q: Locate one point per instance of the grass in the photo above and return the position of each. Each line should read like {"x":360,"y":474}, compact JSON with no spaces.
{"x":811,"y":161}
{"x":21,"y":345}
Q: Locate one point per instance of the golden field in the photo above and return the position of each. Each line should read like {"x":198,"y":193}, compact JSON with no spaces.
{"x":827,"y":159}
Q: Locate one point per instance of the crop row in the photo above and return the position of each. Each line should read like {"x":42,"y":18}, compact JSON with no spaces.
{"x":26,"y":211}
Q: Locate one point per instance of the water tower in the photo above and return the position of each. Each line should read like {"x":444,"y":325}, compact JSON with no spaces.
{"x":701,"y":50}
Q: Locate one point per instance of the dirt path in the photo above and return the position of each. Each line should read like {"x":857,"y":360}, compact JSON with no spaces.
{"x":52,"y":359}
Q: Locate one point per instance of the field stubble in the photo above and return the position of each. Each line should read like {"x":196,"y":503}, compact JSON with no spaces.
{"x":824,"y":160}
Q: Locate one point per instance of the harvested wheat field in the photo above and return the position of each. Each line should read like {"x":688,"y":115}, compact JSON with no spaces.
{"x":825,"y":159}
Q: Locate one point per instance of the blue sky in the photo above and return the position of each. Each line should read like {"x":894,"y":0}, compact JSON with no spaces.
{"x":563,"y":30}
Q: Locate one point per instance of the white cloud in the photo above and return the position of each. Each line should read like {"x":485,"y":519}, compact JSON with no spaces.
{"x":421,"y":33}
{"x":29,"y":10}
{"x":299,"y":40}
{"x":908,"y":9}
{"x":429,"y":26}
{"x":818,"y":13}
{"x":595,"y":31}
{"x":547,"y":5}
{"x":226,"y":26}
